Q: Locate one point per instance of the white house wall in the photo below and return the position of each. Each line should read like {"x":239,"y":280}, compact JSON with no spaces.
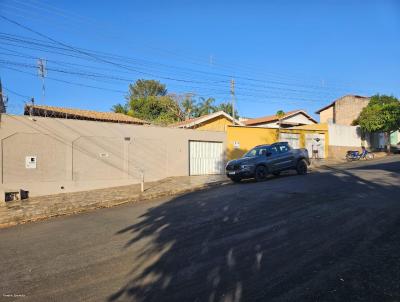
{"x":299,"y":119}
{"x":268,"y":125}
{"x":295,"y":119}
{"x":341,"y":135}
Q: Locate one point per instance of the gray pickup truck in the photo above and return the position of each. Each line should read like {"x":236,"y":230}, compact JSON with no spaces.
{"x":268,"y":159}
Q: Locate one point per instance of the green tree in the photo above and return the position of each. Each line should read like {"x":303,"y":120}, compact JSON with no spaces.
{"x":146,"y":88}
{"x":280,"y":114}
{"x":119,"y":108}
{"x":189,"y":106}
{"x":206,"y":106}
{"x":148,"y":100}
{"x":158,"y":109}
{"x":227,"y":108}
{"x":382,"y":114}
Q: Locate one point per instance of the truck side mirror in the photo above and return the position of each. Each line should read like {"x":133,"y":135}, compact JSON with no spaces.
{"x":268,"y":153}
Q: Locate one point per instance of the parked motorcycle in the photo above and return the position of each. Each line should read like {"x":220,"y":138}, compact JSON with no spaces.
{"x":356,"y":155}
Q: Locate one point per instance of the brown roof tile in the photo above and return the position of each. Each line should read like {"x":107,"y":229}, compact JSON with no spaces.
{"x":189,"y":122}
{"x":272,"y":118}
{"x":69,"y":113}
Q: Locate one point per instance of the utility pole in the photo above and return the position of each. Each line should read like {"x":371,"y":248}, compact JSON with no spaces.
{"x":233,"y":99}
{"x":31,"y":107}
{"x":3,"y":100}
{"x":42,"y":73}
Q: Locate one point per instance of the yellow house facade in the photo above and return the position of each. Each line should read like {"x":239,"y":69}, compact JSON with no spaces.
{"x":217,"y":121}
{"x":241,"y":139}
{"x":216,"y":124}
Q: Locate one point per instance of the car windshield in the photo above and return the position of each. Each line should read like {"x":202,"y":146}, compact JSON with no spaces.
{"x":256,"y":152}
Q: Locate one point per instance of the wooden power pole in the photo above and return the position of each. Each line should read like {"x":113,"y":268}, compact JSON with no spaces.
{"x":233,"y":99}
{"x":2,"y":100}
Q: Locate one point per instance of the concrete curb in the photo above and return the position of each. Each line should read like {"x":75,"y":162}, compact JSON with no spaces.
{"x":24,"y":217}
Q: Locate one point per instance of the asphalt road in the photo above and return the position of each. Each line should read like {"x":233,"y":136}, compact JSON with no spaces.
{"x":332,"y":235}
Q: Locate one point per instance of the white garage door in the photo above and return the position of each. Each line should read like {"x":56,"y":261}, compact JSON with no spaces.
{"x":205,"y":158}
{"x":292,"y":138}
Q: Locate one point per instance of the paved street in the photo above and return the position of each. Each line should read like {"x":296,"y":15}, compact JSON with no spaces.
{"x":333,"y":235}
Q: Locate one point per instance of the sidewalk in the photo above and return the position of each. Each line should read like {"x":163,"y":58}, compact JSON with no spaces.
{"x":324,"y":162}
{"x":318,"y":163}
{"x":38,"y":208}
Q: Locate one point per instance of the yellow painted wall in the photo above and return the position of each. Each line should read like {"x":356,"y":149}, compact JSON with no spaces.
{"x":217,"y":124}
{"x":249,"y":137}
{"x":318,"y":127}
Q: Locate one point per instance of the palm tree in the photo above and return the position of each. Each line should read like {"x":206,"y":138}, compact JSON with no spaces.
{"x":206,"y":106}
{"x":227,"y":108}
{"x":280,"y":114}
{"x":189,"y":107}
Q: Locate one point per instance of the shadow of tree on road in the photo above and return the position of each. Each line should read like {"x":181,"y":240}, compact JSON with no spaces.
{"x":330,"y":236}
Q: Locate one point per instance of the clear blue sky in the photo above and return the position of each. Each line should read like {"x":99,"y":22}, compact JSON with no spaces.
{"x":282,"y":54}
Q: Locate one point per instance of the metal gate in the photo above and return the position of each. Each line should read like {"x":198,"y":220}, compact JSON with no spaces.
{"x":205,"y":158}
{"x":315,"y":144}
{"x":292,"y":138}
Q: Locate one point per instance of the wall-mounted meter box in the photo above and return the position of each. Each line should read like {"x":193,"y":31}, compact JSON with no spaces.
{"x":30,"y":162}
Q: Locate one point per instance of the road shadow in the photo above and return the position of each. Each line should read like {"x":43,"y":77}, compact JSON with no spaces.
{"x":322,"y":237}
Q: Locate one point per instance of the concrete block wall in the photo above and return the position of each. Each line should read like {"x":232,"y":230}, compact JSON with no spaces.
{"x":326,"y":116}
{"x":348,"y":108}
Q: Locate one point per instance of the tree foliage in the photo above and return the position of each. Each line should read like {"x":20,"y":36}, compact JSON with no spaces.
{"x":382,"y":114}
{"x":158,"y":109}
{"x":280,"y":113}
{"x":148,"y":100}
{"x":119,"y":108}
{"x":206,"y":106}
{"x":188,"y":105}
{"x":227,"y":108}
{"x":146,"y":88}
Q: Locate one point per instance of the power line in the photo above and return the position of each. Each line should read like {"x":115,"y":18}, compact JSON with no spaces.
{"x":204,"y":61}
{"x":120,"y":91}
{"x":99,"y":58}
{"x":16,"y":93}
{"x":105,"y":76}
{"x":261,"y":81}
{"x":91,"y":55}
{"x":67,"y":82}
{"x":214,"y":91}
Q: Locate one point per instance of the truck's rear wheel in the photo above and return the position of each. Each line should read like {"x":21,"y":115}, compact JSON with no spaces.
{"x":236,"y":179}
{"x":260,"y":173}
{"x":301,"y":167}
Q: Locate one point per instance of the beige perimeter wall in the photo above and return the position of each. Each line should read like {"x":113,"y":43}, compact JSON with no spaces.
{"x":74,"y":155}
